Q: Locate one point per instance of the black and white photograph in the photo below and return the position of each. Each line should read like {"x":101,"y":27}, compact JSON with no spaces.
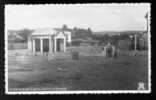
{"x":97,"y":48}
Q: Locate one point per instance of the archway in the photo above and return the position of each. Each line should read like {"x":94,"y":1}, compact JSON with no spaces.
{"x":109,"y":51}
{"x":60,"y":45}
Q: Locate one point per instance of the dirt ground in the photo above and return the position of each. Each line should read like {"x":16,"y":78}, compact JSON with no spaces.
{"x":87,"y":73}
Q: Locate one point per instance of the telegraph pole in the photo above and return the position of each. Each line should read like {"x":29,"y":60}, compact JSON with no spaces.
{"x":146,"y":33}
{"x":146,"y":17}
{"x":135,"y":40}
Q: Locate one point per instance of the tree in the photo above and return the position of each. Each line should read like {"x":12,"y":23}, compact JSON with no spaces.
{"x":65,"y":26}
{"x":24,"y":33}
{"x":75,"y":28}
{"x":74,"y":31}
{"x":89,"y":30}
{"x":82,"y":33}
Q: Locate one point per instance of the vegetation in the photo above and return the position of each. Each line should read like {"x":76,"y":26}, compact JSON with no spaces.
{"x":103,"y":38}
{"x":25,"y":33}
{"x":82,"y":33}
{"x":19,"y":35}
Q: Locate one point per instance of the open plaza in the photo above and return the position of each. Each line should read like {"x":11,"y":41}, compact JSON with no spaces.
{"x":90,"y":72}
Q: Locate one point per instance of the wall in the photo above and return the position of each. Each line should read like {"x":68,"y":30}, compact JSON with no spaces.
{"x":124,"y":44}
{"x":14,"y":46}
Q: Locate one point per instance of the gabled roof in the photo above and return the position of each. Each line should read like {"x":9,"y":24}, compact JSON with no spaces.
{"x":44,"y":31}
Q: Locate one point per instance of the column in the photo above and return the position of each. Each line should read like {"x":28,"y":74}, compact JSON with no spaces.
{"x":28,"y":43}
{"x":64,"y":45}
{"x":104,"y":52}
{"x":41,"y":45}
{"x":33,"y":45}
{"x":135,"y":40}
{"x":50,"y":46}
{"x":113,"y":52}
{"x":55,"y":44}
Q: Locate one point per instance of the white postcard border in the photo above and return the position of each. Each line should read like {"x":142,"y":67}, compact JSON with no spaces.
{"x":84,"y":92}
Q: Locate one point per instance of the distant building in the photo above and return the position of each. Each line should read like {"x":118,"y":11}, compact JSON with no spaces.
{"x":143,"y":41}
{"x":49,"y":40}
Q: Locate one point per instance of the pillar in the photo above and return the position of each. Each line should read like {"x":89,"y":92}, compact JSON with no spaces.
{"x":33,"y":45}
{"x":29,"y":43}
{"x":135,"y":40}
{"x":50,"y":44}
{"x":105,"y":51}
{"x":64,"y":45}
{"x":41,"y":45}
{"x":55,"y":44}
{"x":113,"y":52}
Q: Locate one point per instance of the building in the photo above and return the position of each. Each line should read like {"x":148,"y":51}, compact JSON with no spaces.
{"x":109,"y":50}
{"x":143,"y":41}
{"x":139,"y":41}
{"x":49,"y":40}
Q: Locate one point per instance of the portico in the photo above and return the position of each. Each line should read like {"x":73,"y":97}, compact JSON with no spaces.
{"x":47,"y":40}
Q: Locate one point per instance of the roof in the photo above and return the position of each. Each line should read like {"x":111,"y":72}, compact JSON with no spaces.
{"x":44,"y":31}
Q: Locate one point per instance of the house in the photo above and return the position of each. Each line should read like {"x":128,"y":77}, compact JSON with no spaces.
{"x":49,"y":40}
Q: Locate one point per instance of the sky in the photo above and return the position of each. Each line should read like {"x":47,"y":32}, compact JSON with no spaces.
{"x":98,"y":17}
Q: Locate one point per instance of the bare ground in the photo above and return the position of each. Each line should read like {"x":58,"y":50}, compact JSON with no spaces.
{"x":87,"y":73}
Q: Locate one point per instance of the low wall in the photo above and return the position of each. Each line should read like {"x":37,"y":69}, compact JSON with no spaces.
{"x":14,"y":46}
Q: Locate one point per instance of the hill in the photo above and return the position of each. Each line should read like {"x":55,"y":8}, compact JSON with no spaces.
{"x":110,"y":33}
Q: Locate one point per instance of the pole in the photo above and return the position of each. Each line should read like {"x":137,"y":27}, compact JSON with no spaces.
{"x":135,"y":40}
{"x":147,"y":21}
{"x":146,"y":17}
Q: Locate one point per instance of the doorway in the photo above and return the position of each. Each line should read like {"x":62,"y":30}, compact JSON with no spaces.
{"x":60,"y":45}
{"x":45,"y":45}
{"x":109,"y":51}
{"x":37,"y":45}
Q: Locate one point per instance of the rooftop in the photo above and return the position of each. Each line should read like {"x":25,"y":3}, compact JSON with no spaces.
{"x":48,"y":31}
{"x":44,"y":31}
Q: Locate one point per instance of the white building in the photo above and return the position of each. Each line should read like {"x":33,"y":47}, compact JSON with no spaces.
{"x":49,"y":40}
